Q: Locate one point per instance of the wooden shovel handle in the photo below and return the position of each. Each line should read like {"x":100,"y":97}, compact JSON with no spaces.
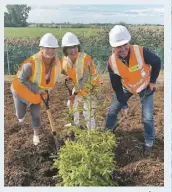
{"x":51,"y":120}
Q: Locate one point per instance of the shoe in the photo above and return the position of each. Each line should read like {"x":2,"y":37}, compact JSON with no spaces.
{"x":68,"y":125}
{"x":21,"y":120}
{"x":36,"y":140}
{"x":147,"y":151}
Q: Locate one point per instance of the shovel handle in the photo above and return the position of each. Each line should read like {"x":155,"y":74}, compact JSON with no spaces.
{"x":46,"y":101}
{"x":69,"y":90}
{"x":51,"y":121}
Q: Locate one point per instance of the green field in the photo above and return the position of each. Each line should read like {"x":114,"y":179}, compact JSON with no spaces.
{"x":32,"y":32}
{"x":25,"y":32}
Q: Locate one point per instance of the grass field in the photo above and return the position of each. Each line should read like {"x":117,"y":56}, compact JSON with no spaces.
{"x":25,"y":32}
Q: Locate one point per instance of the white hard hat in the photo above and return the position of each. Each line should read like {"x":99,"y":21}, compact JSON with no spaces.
{"x":69,"y":39}
{"x":119,"y":35}
{"x":48,"y":40}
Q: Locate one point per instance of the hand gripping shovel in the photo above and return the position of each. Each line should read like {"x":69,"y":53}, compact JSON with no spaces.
{"x":46,"y":103}
{"x":147,"y":93}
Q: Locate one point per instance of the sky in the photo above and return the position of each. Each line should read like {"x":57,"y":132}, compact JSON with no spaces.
{"x":106,"y":13}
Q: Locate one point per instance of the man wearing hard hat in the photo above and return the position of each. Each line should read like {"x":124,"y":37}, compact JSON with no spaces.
{"x":36,"y":74}
{"x":133,"y":69}
{"x":79,"y":66}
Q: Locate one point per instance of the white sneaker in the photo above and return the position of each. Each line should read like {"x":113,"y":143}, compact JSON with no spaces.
{"x":68,"y":125}
{"x":68,"y":103}
{"x":21,"y":120}
{"x":36,"y":140}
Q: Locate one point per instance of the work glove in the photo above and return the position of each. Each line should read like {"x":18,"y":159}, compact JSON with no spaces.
{"x":150,"y":89}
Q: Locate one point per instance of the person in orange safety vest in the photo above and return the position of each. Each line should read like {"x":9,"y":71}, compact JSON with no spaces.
{"x":79,"y":66}
{"x":133,"y":69}
{"x":35,"y":75}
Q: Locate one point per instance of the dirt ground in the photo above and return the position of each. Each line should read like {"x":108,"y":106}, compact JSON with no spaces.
{"x":29,"y":165}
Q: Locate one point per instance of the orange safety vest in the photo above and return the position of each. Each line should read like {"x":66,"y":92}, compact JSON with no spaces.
{"x":38,"y":77}
{"x":136,"y":77}
{"x":79,"y":70}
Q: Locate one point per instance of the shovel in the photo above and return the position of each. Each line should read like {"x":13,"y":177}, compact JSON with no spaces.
{"x":148,"y":92}
{"x":46,"y":103}
{"x":70,"y":94}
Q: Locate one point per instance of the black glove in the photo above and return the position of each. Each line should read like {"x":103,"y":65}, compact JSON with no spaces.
{"x":148,"y":91}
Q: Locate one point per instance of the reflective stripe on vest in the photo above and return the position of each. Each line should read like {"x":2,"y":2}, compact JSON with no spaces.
{"x":37,"y":75}
{"x":138,"y":56}
{"x":79,"y":66}
{"x":139,"y":59}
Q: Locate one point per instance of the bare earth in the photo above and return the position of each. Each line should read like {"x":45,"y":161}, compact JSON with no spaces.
{"x":27,"y":165}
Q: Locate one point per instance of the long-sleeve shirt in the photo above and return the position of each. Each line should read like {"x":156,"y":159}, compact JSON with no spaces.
{"x":150,"y":58}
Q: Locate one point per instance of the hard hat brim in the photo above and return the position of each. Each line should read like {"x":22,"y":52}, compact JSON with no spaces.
{"x":49,"y":46}
{"x":120,"y":43}
{"x":69,"y":45}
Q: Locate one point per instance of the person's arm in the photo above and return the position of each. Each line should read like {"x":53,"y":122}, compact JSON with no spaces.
{"x":117,"y":86}
{"x":25,"y":74}
{"x":155,"y":62}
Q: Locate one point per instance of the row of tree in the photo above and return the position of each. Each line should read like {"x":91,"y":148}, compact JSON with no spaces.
{"x":16,"y":15}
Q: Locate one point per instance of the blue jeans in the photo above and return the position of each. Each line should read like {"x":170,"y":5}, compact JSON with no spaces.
{"x":147,"y":115}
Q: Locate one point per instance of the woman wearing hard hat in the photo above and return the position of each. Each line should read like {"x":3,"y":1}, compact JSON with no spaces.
{"x":78,"y":66}
{"x":36,"y":74}
{"x":133,"y":69}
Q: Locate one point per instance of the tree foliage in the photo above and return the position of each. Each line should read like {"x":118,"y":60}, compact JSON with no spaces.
{"x":88,"y":160}
{"x":16,"y":15}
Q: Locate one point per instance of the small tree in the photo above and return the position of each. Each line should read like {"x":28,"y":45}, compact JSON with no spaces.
{"x":87,"y":161}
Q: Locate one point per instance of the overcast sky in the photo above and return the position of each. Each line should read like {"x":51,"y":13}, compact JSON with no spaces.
{"x":81,"y":13}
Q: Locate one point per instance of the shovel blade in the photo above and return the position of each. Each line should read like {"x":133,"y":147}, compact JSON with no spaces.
{"x":56,"y":143}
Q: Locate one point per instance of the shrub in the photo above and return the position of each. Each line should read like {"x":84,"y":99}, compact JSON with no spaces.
{"x":87,"y":161}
